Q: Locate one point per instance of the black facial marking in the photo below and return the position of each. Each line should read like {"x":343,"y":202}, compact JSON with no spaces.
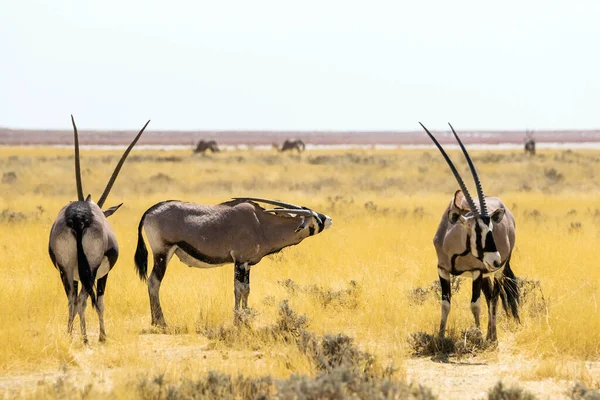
{"x":478,"y":240}
{"x":322,"y":217}
{"x":242,"y":274}
{"x":490,"y":244}
{"x":311,"y":230}
{"x":191,"y":251}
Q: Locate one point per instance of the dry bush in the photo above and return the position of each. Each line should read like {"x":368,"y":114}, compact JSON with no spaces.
{"x":468,"y":343}
{"x":420,"y":294}
{"x":214,"y":385}
{"x":501,"y":392}
{"x":582,"y":392}
{"x":345,"y":298}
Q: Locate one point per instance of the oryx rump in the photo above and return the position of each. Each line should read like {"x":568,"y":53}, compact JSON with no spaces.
{"x":83,"y":246}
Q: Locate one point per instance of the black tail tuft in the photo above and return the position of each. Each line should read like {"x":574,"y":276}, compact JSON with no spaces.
{"x":141,"y":253}
{"x":83,"y":267}
{"x":510,"y":293}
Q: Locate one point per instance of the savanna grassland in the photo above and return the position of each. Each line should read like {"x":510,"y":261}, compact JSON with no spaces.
{"x":370,"y":278}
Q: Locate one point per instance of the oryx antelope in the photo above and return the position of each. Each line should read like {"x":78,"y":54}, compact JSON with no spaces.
{"x":83,"y":246}
{"x":205,"y":145}
{"x":529,"y":143}
{"x":291,"y":144}
{"x":476,"y":237}
{"x":239,"y":231}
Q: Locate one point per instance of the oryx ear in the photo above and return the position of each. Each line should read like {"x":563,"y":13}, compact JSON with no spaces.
{"x":459,"y":197}
{"x":88,"y":198}
{"x":301,"y":226}
{"x":110,"y":211}
{"x":498,"y":215}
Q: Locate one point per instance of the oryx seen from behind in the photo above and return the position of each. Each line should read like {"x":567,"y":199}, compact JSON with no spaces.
{"x":476,"y":237}
{"x":83,"y":246}
{"x":238,"y":232}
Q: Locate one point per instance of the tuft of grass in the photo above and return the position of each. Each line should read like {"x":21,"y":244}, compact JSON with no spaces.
{"x":581,"y":392}
{"x":501,"y":392}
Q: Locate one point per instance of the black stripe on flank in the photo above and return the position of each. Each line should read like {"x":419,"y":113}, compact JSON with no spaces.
{"x":193,"y":252}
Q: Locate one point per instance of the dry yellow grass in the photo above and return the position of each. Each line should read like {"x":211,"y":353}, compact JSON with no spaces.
{"x":385,"y":206}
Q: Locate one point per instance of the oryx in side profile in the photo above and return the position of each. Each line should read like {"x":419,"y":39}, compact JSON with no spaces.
{"x":83,"y":246}
{"x":291,"y":144}
{"x":238,"y":232}
{"x":204,"y":146}
{"x":476,"y":237}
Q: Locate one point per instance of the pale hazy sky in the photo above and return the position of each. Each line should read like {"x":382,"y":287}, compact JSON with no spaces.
{"x":300,"y":65}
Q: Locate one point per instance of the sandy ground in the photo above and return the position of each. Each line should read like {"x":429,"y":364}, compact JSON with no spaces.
{"x":456,"y":379}
{"x":254,"y":138}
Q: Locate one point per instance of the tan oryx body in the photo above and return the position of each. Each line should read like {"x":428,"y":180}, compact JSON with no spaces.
{"x":291,"y":144}
{"x":83,"y":246}
{"x":238,"y":232}
{"x":205,"y":145}
{"x":476,"y":238}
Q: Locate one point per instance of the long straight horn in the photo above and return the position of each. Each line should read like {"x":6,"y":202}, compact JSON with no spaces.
{"x":77,"y":167}
{"x":272,"y":202}
{"x":480,"y":194}
{"x":118,"y":168}
{"x":460,"y":181}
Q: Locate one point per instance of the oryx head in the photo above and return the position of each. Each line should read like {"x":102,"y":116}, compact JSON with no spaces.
{"x":477,"y":221}
{"x":309,"y":221}
{"x":109,"y":211}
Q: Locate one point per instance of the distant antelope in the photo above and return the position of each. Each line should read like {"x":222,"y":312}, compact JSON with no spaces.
{"x":204,"y":236}
{"x":476,"y":237}
{"x":529,"y":143}
{"x":83,"y":246}
{"x":294,"y":144}
{"x":206,"y":145}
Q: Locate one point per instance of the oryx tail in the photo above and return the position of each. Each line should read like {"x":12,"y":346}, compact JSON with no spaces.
{"x":509,"y":294}
{"x":141,"y":252}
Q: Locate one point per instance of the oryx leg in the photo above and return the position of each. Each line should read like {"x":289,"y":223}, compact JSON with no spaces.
{"x":81,"y":305}
{"x":446,"y":296}
{"x":491,"y":290}
{"x":71,"y":291}
{"x":476,"y":297}
{"x":156,"y":277}
{"x":100,"y":288}
{"x":241,"y":284}
{"x":241,"y":287}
